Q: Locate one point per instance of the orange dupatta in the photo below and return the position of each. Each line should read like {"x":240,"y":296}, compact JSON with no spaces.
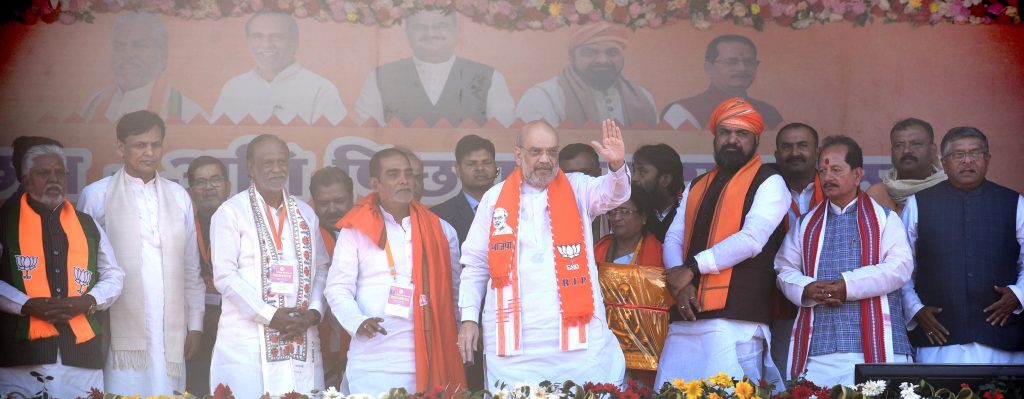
{"x":727,"y":220}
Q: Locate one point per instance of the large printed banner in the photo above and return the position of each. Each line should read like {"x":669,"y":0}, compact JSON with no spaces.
{"x":339,"y":92}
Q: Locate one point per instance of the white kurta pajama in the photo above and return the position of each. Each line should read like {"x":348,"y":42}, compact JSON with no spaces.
{"x":890,"y":274}
{"x":541,"y":357}
{"x":703,"y":348}
{"x":972,"y":352}
{"x":239,"y":360}
{"x":546,"y":101}
{"x":357,"y":289}
{"x":154,"y":380}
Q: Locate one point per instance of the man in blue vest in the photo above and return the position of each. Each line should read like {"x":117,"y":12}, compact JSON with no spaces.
{"x":435,"y":83}
{"x":967,"y":234}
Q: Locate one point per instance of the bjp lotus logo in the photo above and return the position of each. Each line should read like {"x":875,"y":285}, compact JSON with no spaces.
{"x":26,"y":264}
{"x":82,"y":277}
{"x":570,"y":251}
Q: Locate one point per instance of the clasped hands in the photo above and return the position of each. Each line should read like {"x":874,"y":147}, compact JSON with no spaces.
{"x":292,"y":322}
{"x":826,"y":292}
{"x":57,"y":310}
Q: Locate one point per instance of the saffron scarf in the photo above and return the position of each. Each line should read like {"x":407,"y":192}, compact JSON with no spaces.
{"x":28,"y":261}
{"x":438,"y":361}
{"x":876,"y":323}
{"x":647,"y":253}
{"x":580,"y":106}
{"x":726,"y":221}
{"x":575,"y":287}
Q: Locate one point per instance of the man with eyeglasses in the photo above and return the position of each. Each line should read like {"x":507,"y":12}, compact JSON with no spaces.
{"x":718,"y":255}
{"x":208,"y":185}
{"x":731,"y":64}
{"x":915,"y":164}
{"x":592,"y":88}
{"x":967,"y":234}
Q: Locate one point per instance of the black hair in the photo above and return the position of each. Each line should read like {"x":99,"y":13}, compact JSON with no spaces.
{"x":666,"y":160}
{"x":854,"y":155}
{"x":711,"y":54}
{"x":204,"y":161}
{"x":906,"y":123}
{"x":328,"y":176}
{"x":797,"y":125}
{"x":385,"y":153}
{"x":963,"y":132}
{"x":470,"y":144}
{"x":139,"y":122}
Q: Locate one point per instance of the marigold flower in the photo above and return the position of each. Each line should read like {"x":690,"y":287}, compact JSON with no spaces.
{"x":744,"y":390}
{"x":555,"y":9}
{"x":693,"y":389}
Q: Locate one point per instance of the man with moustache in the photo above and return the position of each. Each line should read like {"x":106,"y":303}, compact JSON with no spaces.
{"x":391,"y":286}
{"x":844,"y":265}
{"x":968,"y":237}
{"x":796,"y":153}
{"x":270,"y":266}
{"x":718,"y":253}
{"x":417,"y":171}
{"x":591,"y":88}
{"x":731,"y":64}
{"x":58,"y":272}
{"x":435,"y":83}
{"x":659,"y":171}
{"x":475,"y":165}
{"x":157,"y":324}
{"x":331,"y":190}
{"x":278,"y":86}
{"x":19,"y":147}
{"x":543,"y":314}
{"x":915,"y":164}
{"x":208,"y":185}
{"x":138,"y":59}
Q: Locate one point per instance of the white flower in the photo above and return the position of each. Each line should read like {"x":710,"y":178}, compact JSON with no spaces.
{"x":501,"y":394}
{"x":330,"y":393}
{"x":873,"y":388}
{"x":813,"y":396}
{"x":584,"y":6}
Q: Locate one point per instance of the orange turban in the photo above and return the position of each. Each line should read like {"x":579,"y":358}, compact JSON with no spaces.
{"x":600,"y":32}
{"x":735,"y":112}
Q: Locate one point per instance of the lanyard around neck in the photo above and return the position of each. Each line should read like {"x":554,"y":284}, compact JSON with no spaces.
{"x":282,"y":214}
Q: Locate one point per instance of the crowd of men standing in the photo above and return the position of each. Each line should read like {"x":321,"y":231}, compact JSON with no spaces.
{"x":777,"y":270}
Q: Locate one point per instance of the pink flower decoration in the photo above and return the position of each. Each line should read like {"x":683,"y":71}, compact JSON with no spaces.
{"x":550,"y":23}
{"x":257,"y":5}
{"x":635,"y":9}
{"x":301,"y":13}
{"x":67,"y":18}
{"x":596,"y":15}
{"x":748,"y":21}
{"x":996,"y":9}
{"x":858,"y":7}
{"x":504,"y":7}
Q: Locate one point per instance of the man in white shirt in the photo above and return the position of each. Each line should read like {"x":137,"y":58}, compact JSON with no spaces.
{"x":718,"y":253}
{"x":844,"y":266}
{"x":592,"y":88}
{"x":435,"y":83}
{"x":278,"y":86}
{"x":270,"y":266}
{"x":157,"y":324}
{"x":65,"y":273}
{"x":395,"y":270}
{"x":543,"y":315}
{"x":138,"y":58}
{"x":964,"y":302}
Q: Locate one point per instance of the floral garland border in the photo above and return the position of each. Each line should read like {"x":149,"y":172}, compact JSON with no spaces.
{"x":547,"y":15}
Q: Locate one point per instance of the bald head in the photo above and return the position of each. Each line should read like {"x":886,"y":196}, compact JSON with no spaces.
{"x":537,"y":130}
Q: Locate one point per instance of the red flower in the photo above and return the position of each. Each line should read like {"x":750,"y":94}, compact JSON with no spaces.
{"x":223,"y":392}
{"x":989,"y":395}
{"x":801,"y":392}
{"x":292,"y":395}
{"x":629,"y":395}
{"x":964,"y":385}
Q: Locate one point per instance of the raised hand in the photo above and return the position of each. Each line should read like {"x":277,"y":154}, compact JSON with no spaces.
{"x":611,"y":147}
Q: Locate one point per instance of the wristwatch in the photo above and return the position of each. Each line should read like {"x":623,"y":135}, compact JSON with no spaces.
{"x":92,"y":309}
{"x":317,"y":314}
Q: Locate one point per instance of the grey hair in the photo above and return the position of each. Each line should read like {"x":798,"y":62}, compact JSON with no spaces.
{"x":963,"y":132}
{"x":35,"y":152}
{"x":293,"y":27}
{"x":149,"y":20}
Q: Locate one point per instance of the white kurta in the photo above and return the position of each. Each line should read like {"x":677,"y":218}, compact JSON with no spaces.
{"x":973,"y":352}
{"x":723,"y":345}
{"x":500,"y":104}
{"x":542,"y":358}
{"x":68,"y":381}
{"x":546,"y":101}
{"x":154,"y":380}
{"x":890,"y":274}
{"x":357,"y":289}
{"x":294,"y":92}
{"x":237,"y":274}
{"x":124,"y":102}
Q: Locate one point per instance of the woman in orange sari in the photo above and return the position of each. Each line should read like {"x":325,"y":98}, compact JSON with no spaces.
{"x":622,"y":257}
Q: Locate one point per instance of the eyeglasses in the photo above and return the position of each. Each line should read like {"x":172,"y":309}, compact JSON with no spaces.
{"x":960,"y":156}
{"x":215,"y":181}
{"x":622,"y":212}
{"x":731,"y":62}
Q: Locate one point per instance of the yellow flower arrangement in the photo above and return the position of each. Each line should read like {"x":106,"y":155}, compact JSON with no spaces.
{"x":694,"y":389}
{"x":744,"y":390}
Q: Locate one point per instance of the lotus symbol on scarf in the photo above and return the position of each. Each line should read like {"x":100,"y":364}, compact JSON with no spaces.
{"x":82,"y":277}
{"x":26,"y":264}
{"x":570,"y":251}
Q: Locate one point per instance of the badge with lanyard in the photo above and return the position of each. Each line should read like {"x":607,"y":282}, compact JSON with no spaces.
{"x":283,"y":275}
{"x":399,"y":301}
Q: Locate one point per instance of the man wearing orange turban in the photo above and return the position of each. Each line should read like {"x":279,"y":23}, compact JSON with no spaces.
{"x":729,"y":224}
{"x":592,"y":87}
